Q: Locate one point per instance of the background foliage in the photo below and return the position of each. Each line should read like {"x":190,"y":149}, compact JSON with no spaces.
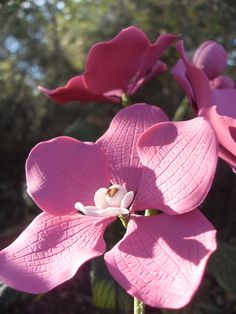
{"x":45,"y":43}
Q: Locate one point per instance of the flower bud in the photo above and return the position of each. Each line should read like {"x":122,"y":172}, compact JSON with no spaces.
{"x":210,"y":57}
{"x":222,"y":81}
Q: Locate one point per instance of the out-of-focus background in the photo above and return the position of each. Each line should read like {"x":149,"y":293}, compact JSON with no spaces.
{"x":46,"y":43}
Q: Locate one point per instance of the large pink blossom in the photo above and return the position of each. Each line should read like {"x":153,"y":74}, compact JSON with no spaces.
{"x":151,"y":163}
{"x":113,"y":68}
{"x":212,"y":100}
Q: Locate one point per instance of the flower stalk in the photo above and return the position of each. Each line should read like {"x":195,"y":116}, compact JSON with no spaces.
{"x":139,"y":307}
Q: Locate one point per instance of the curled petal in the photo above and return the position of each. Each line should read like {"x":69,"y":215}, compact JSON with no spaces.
{"x":155,"y":51}
{"x":162,"y":258}
{"x":63,"y":171}
{"x":198,"y":80}
{"x":111,"y":65}
{"x":179,"y":74}
{"x":222,"y":116}
{"x":158,"y":68}
{"x":120,"y":140}
{"x":74,"y":90}
{"x":179,"y":162}
{"x":51,"y":250}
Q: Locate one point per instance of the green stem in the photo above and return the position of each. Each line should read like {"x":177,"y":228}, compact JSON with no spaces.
{"x":181,"y":111}
{"x":139,"y":307}
{"x":125,"y":101}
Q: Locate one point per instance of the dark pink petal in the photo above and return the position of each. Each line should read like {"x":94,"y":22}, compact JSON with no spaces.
{"x":50,"y":251}
{"x":154,"y":53}
{"x":63,"y":171}
{"x":211,"y":58}
{"x":161,"y":259}
{"x":179,"y":162}
{"x":158,"y":68}
{"x":119,"y":142}
{"x":179,"y":74}
{"x":111,"y":65}
{"x":222,"y":116}
{"x":197,"y":79}
{"x":74,"y":90}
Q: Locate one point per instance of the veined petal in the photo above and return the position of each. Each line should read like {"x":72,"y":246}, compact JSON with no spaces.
{"x":120,"y":140}
{"x":161,"y":259}
{"x":51,"y":250}
{"x":74,"y":90}
{"x":179,"y":162}
{"x":111,"y":65}
{"x":63,"y":171}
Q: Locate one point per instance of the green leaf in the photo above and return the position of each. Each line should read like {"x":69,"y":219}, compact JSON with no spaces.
{"x":82,"y":130}
{"x":107,"y":294}
{"x":223,"y":266}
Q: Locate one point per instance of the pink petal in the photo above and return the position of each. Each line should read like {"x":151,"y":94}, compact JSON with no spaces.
{"x":111,"y":65}
{"x":119,"y":142}
{"x":222,"y":116}
{"x":158,"y":68}
{"x":179,"y":74}
{"x":154,"y":53}
{"x":50,"y":251}
{"x":222,"y":81}
{"x":63,"y":171}
{"x":197,"y":79}
{"x":211,"y":58}
{"x":179,"y":162}
{"x":161,"y":259}
{"x":74,"y":90}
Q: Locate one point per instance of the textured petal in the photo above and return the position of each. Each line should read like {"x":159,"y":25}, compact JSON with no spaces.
{"x":51,"y":250}
{"x":74,"y":90}
{"x":63,"y":171}
{"x":119,"y":142}
{"x":197,"y":79}
{"x":111,"y":65}
{"x":162,"y":258}
{"x":180,"y":160}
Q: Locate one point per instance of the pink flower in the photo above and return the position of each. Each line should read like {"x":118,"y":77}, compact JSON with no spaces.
{"x":216,"y":104}
{"x":115,"y":67}
{"x":151,"y":163}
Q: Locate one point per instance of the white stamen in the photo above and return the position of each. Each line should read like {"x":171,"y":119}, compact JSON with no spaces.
{"x":99,"y":198}
{"x":108,"y":202}
{"x":127,"y":199}
{"x":115,"y":195}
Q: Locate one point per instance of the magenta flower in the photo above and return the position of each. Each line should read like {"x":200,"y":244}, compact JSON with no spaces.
{"x":115,"y":67}
{"x":216,"y":104}
{"x":150,"y":162}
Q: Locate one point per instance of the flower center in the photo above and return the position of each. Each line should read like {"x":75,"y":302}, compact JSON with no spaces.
{"x":109,"y":202}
